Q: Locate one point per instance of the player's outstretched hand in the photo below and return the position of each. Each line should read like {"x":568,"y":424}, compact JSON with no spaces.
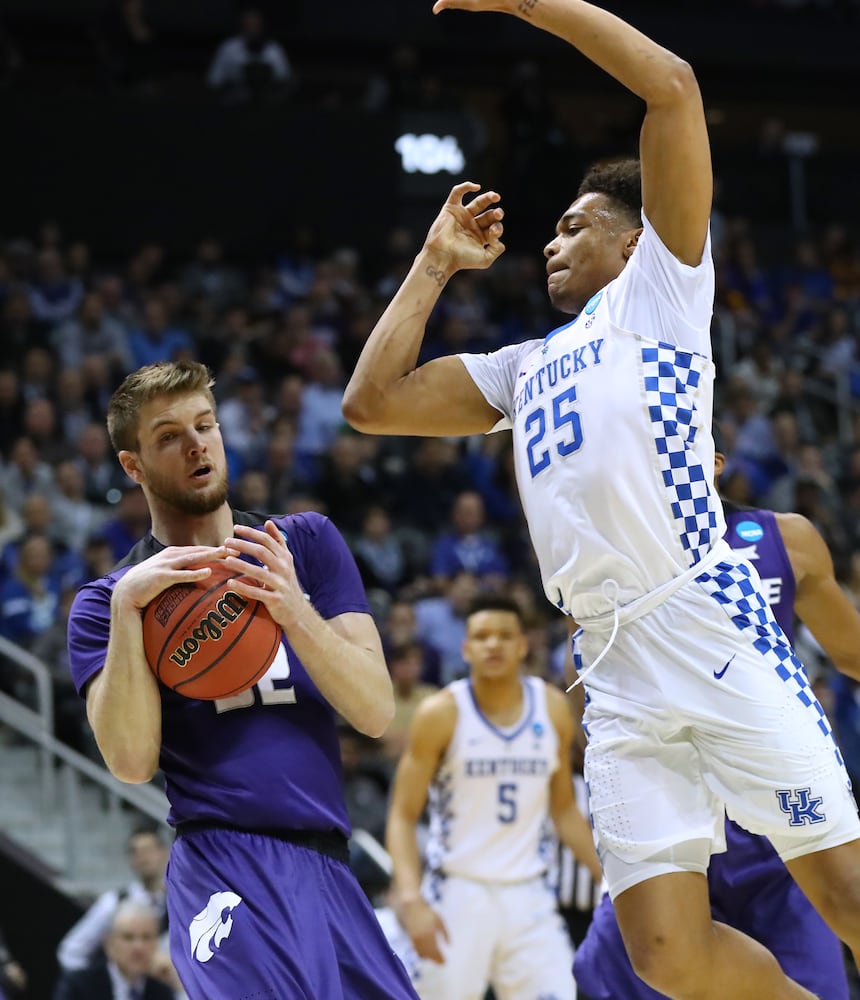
{"x":468,"y":235}
{"x":175,"y":564}
{"x":425,"y":929}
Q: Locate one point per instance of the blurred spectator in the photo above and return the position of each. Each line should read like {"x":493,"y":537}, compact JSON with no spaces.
{"x":400,"y":628}
{"x":347,"y":480}
{"x":245,"y":416}
{"x":11,"y":523}
{"x":98,"y":559}
{"x":148,"y":852}
{"x":40,"y":426}
{"x":129,"y":522}
{"x":320,"y":417}
{"x":126,"y":48}
{"x":54,"y":295}
{"x":426,"y":488}
{"x":379,"y":552}
{"x":442,"y":623}
{"x":156,"y":340}
{"x":30,"y":594}
{"x":252,"y":491}
{"x":104,"y":479}
{"x":364,"y":785}
{"x":405,"y":665}
{"x":37,"y":373}
{"x":25,"y":473}
{"x":37,"y":518}
{"x":74,"y":410}
{"x":19,"y":327}
{"x":468,"y":545}
{"x":131,"y":949}
{"x":251,"y":67}
{"x":208,"y":277}
{"x":11,"y":410}
{"x":75,"y":518}
{"x":70,"y":710}
{"x":93,"y":332}
{"x":13,"y":979}
{"x":397,"y":86}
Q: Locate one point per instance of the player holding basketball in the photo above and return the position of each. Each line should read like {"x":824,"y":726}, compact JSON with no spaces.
{"x":695,"y":699}
{"x":750,"y":888}
{"x":260,"y":895}
{"x":493,"y":752}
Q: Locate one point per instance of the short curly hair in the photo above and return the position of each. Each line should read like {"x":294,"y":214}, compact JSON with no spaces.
{"x":621,"y":181}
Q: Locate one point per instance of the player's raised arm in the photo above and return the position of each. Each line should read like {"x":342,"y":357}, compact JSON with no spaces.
{"x":819,"y":601}
{"x":387,"y":394}
{"x":677,"y":182}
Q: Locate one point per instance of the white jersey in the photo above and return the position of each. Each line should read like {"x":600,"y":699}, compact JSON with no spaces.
{"x":490,"y":797}
{"x":611,"y":419}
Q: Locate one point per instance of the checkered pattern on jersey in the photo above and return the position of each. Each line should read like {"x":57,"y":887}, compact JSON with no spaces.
{"x":731,"y":585}
{"x":671,"y":378}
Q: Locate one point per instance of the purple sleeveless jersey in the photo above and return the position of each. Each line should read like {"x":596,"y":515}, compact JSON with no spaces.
{"x":267,"y":766}
{"x":749,"y":886}
{"x":256,"y":910}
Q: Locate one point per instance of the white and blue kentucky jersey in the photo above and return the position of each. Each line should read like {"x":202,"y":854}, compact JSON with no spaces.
{"x":490,"y":797}
{"x":611,"y":418}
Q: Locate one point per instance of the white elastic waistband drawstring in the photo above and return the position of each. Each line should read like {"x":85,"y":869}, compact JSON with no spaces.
{"x":642,"y":605}
{"x":604,"y":588}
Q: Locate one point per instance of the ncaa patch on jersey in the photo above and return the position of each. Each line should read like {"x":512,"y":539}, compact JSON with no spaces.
{"x":749,"y":531}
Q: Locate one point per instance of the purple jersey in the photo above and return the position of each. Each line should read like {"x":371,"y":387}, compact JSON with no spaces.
{"x":749,"y":887}
{"x":268,"y":759}
{"x":754,"y":534}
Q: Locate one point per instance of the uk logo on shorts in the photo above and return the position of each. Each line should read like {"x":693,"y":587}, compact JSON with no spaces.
{"x":212,"y":925}
{"x":800,"y":806}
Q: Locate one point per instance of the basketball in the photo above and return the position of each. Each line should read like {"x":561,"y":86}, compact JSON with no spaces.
{"x":203,"y":640}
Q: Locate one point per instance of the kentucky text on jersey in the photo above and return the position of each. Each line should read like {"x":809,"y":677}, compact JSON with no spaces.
{"x":505,"y":768}
{"x":558,"y":370}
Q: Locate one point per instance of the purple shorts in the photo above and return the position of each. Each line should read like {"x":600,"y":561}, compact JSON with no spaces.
{"x":253,"y":917}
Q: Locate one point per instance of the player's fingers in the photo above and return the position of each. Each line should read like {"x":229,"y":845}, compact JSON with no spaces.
{"x":279,"y":537}
{"x":458,"y":191}
{"x":481,"y":202}
{"x":441,"y":928}
{"x":259,"y":535}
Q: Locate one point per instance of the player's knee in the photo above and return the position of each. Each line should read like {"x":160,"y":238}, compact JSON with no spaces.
{"x":666,"y":967}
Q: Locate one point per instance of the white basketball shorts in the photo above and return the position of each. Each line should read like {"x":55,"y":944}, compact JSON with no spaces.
{"x":507,"y":935}
{"x":699,"y":706}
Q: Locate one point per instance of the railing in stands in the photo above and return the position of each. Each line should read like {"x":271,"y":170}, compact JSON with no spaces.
{"x":73,"y":768}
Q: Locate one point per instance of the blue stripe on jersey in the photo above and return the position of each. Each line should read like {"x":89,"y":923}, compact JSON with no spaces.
{"x":510,"y":734}
{"x":731,"y":586}
{"x":670,"y":377}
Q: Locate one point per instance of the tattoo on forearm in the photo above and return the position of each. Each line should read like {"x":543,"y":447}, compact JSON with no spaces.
{"x":527,"y":7}
{"x":437,"y":276}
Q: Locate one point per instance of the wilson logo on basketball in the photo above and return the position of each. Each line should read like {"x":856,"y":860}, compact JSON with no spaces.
{"x":211,"y":626}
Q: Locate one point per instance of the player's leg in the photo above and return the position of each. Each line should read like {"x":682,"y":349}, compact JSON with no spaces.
{"x":751,"y":889}
{"x":534,"y":957}
{"x":601,"y":966}
{"x":472,"y":921}
{"x":676,"y":947}
{"x":831,"y":880}
{"x":368,"y":965}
